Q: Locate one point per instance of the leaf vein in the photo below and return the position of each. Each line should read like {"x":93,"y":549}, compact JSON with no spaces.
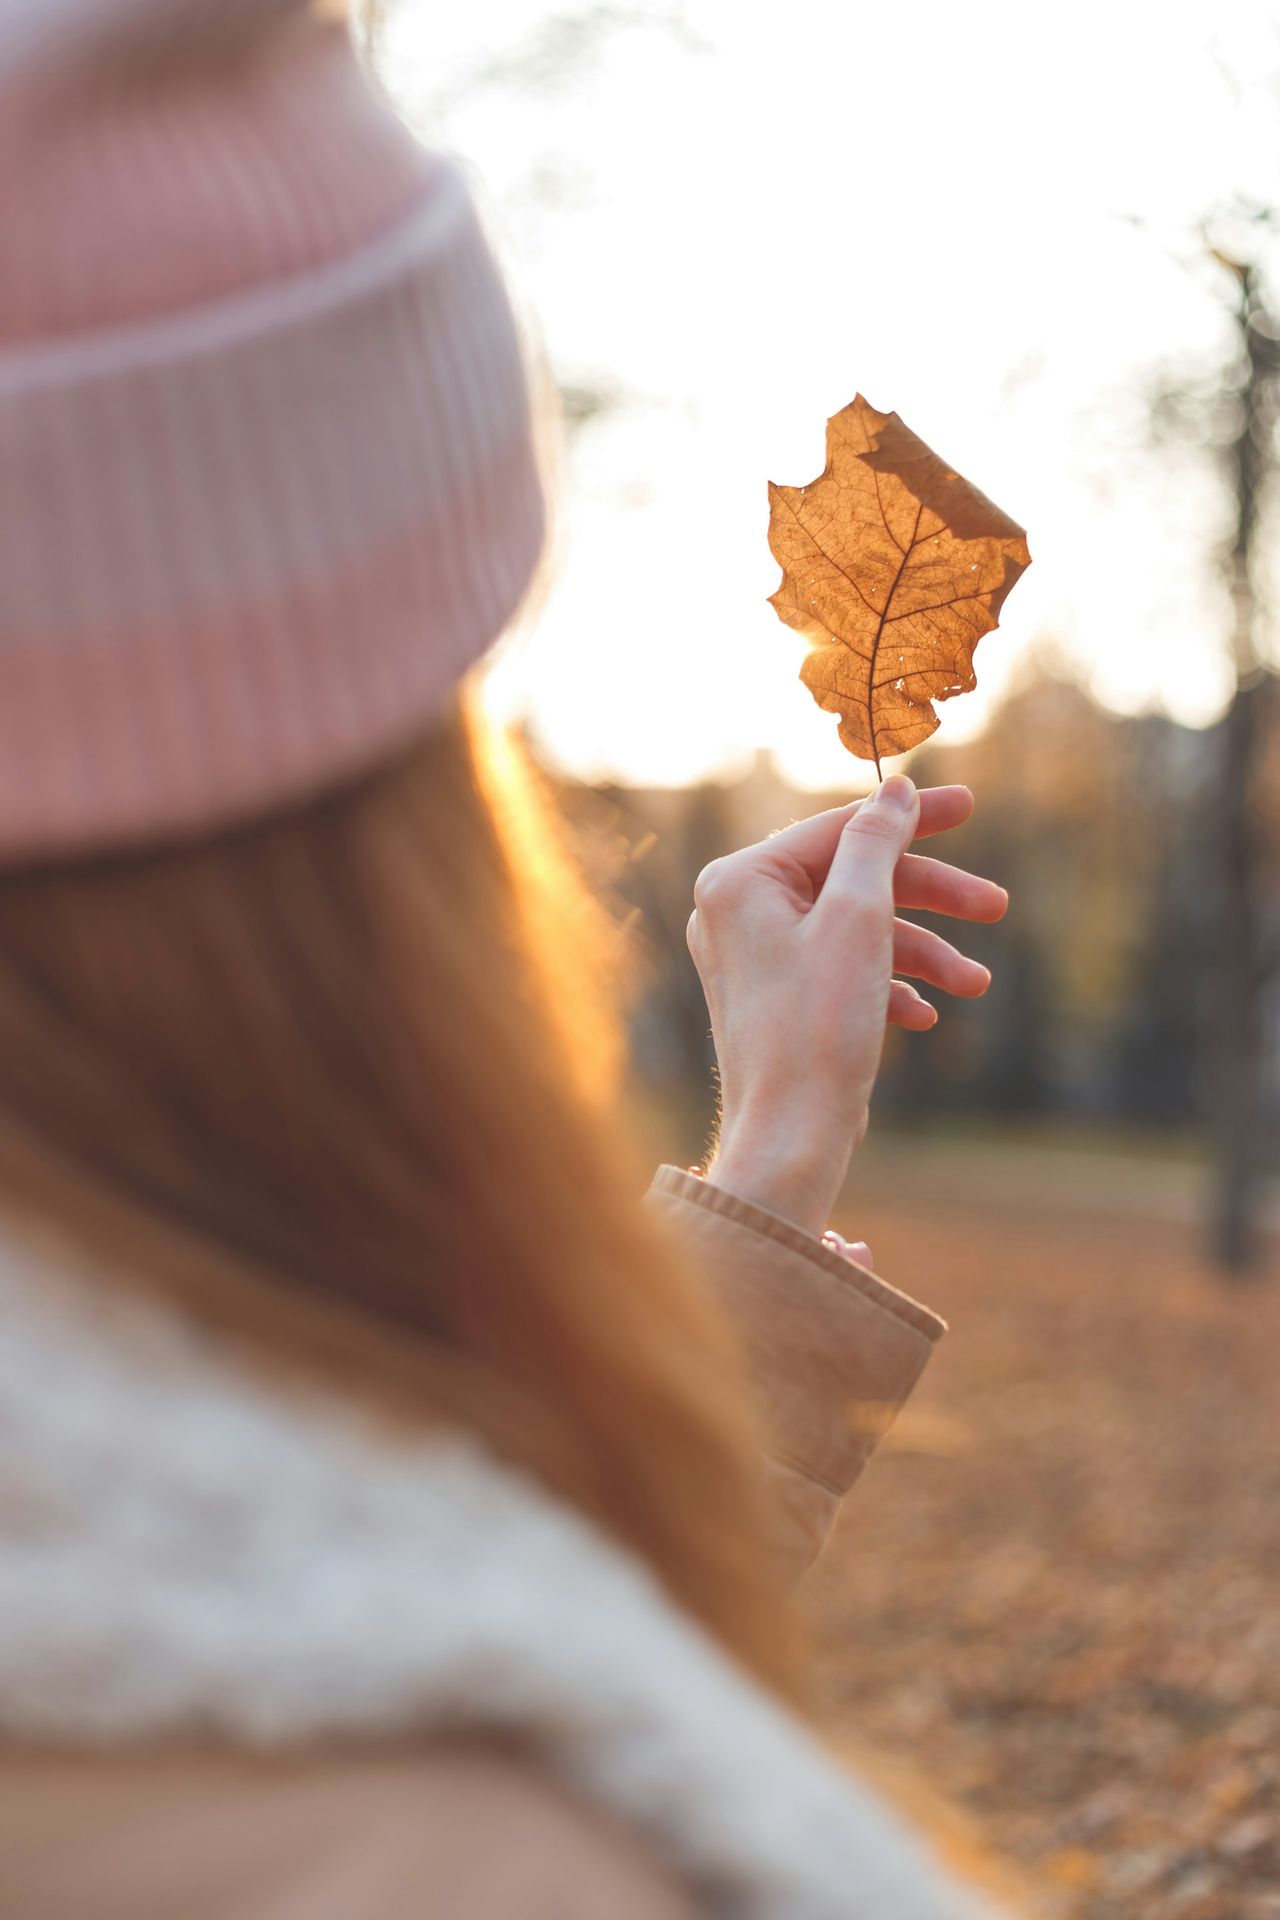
{"x":935,"y":606}
{"x":884,"y":518}
{"x":879,"y":635}
{"x":831,"y":560}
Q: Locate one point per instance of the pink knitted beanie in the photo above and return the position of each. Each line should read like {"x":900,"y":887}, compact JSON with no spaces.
{"x":267,"y":478}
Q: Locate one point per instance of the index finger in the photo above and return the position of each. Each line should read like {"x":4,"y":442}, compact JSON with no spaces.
{"x":811,"y":843}
{"x":942,"y":808}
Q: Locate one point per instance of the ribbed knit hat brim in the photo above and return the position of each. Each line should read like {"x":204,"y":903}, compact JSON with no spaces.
{"x":248,"y":546}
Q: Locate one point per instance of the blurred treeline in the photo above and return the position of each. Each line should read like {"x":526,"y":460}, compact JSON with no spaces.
{"x":1101,"y":1009}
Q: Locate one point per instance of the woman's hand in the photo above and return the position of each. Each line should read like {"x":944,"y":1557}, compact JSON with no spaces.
{"x":796,"y":943}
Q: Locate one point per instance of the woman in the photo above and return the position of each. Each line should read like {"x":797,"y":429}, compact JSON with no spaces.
{"x":385,"y":1517}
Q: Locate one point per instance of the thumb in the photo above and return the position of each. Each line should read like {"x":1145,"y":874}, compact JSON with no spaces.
{"x":873,"y":841}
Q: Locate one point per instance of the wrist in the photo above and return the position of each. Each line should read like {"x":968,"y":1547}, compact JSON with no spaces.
{"x":798,"y":1184}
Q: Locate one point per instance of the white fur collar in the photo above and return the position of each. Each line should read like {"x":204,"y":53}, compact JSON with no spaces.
{"x":180,"y":1550}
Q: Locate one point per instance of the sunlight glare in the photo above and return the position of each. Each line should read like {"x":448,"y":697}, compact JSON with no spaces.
{"x":729,"y":218}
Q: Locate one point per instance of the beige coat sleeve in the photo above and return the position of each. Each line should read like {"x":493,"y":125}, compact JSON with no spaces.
{"x":449,"y":1833}
{"x":834,"y":1351}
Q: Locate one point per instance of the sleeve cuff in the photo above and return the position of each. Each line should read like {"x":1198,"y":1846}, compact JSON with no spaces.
{"x":678,"y":1184}
{"x":834,"y":1350}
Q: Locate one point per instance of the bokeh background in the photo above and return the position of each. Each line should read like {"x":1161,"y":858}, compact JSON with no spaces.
{"x":1050,"y":238}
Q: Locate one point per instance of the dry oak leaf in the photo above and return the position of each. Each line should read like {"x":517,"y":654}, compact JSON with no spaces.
{"x":894,"y":567}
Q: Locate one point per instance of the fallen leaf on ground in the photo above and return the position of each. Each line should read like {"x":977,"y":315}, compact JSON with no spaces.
{"x":893,"y":567}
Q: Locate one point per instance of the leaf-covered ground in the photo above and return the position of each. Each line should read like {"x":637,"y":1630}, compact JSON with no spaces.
{"x":1056,"y":1594}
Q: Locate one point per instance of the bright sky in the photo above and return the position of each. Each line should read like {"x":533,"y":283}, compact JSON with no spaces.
{"x":733,"y":214}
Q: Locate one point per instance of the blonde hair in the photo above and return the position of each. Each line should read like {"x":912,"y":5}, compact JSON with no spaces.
{"x":340,"y":1077}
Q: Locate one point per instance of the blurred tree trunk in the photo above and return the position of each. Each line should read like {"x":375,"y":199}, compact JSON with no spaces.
{"x":1236,"y":1037}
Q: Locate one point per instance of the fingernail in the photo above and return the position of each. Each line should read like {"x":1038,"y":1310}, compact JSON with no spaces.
{"x":897,"y":792}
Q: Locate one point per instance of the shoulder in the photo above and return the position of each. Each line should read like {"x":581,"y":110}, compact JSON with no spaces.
{"x":459,"y":1828}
